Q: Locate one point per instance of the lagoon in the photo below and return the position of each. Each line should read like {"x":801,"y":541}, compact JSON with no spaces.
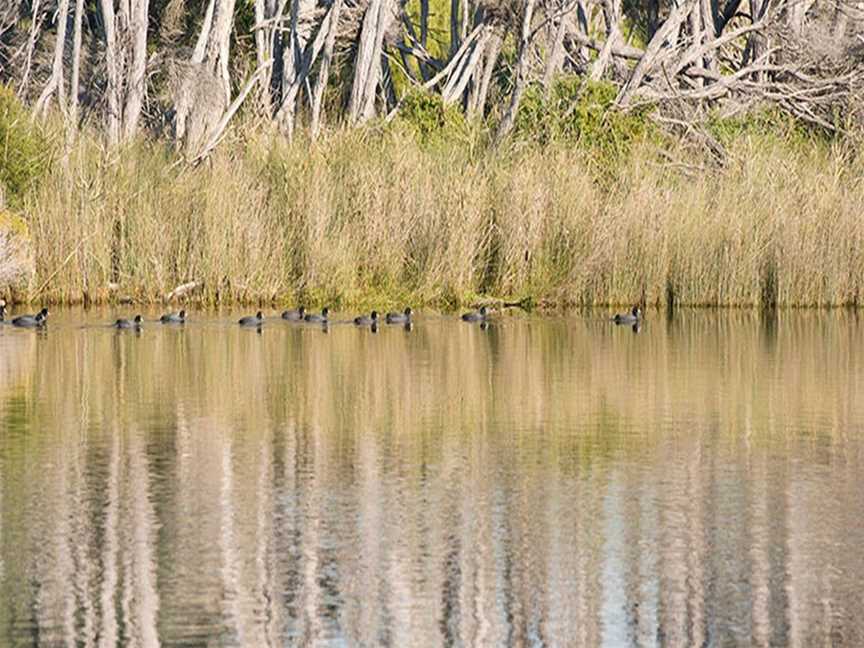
{"x":550,"y":480}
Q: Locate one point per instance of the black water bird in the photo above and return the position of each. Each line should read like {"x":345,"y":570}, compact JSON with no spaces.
{"x":476,"y":316}
{"x":399,"y":318}
{"x":174,"y":318}
{"x":634,"y":316}
{"x":32,"y":321}
{"x":294,"y":315}
{"x":252,"y":320}
{"x":128,"y":324}
{"x":367,"y":320}
{"x":321,"y":319}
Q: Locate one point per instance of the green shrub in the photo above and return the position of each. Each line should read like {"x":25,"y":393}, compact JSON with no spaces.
{"x":24,"y":151}
{"x":429,"y":119}
{"x":764,"y":124}
{"x":580,"y":112}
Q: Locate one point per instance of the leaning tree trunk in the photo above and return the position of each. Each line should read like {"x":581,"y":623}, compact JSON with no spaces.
{"x":509,"y":119}
{"x":35,"y":25}
{"x":493,"y":50}
{"x":611,"y":16}
{"x":55,"y":83}
{"x":367,"y":66}
{"x":555,"y":57}
{"x":324,"y":69}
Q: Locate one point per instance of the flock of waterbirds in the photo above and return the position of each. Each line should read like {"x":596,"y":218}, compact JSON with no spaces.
{"x":299,"y":315}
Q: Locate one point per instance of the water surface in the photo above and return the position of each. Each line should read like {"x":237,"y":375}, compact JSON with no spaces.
{"x":548,"y":481}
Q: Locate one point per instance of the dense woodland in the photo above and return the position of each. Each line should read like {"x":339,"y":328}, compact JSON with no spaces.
{"x":183,"y":68}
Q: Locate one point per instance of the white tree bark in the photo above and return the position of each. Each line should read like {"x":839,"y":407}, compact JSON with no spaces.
{"x":612,"y":16}
{"x":324,"y":70}
{"x":204,"y":91}
{"x":136,"y":78}
{"x":35,"y":25}
{"x":555,"y":57}
{"x":666,"y":31}
{"x":216,"y":52}
{"x":74,"y":84}
{"x":478,"y":103}
{"x":509,"y":118}
{"x":113,"y":71}
{"x":55,"y":82}
{"x":367,"y":66}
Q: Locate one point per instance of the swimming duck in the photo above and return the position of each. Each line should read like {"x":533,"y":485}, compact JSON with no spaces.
{"x":32,"y":321}
{"x":128,"y":324}
{"x":363,"y":320}
{"x":252,"y":320}
{"x":476,"y":316}
{"x":311,"y":317}
{"x":632,"y":317}
{"x":174,"y":318}
{"x":294,"y":315}
{"x":399,"y":318}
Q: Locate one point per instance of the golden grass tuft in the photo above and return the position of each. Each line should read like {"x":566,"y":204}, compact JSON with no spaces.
{"x":366,"y":216}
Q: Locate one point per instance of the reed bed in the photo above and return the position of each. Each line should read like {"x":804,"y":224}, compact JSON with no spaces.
{"x":374,"y":216}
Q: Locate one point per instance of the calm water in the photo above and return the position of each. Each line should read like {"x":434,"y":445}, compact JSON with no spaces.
{"x":548,"y":481}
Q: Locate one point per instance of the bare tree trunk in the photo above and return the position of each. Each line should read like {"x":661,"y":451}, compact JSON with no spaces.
{"x":478,"y":105}
{"x":183,"y":101}
{"x":263,"y":48}
{"x":611,"y":15}
{"x":135,"y":81}
{"x":35,"y":25}
{"x":112,"y":67}
{"x":582,"y":26}
{"x":796,"y":13}
{"x":708,"y":9}
{"x":464,"y":71}
{"x":367,"y":67}
{"x":302,"y":67}
{"x":509,"y":118}
{"x":217,"y":50}
{"x":204,"y":92}
{"x":756,"y":43}
{"x":466,"y":19}
{"x":204,"y":34}
{"x":645,"y":64}
{"x":55,"y":82}
{"x":697,"y":33}
{"x":324,"y":70}
{"x":74,"y":85}
{"x":841,"y":22}
{"x":290,"y":67}
{"x":424,"y":35}
{"x":455,"y":41}
{"x":555,"y":59}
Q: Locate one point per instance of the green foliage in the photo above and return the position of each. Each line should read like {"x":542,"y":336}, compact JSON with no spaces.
{"x":766,"y":124}
{"x":24,"y":151}
{"x":580,"y":112}
{"x":430,"y":120}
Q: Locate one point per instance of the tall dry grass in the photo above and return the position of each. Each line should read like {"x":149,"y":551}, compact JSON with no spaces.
{"x":370,"y":216}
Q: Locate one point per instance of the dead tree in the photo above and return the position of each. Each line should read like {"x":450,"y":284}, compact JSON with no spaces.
{"x":125,"y":63}
{"x":509,"y":119}
{"x":367,"y":63}
{"x":55,"y":85}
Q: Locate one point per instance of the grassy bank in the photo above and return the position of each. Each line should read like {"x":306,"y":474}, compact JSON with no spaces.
{"x":385,"y":216}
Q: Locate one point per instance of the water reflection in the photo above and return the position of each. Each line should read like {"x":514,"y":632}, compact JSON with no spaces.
{"x":539,"y":482}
